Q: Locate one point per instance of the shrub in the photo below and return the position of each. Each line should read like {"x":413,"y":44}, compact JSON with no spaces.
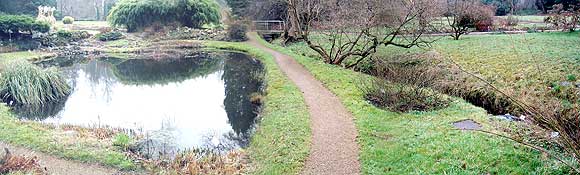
{"x":64,"y":34}
{"x":237,"y":32}
{"x":110,"y":36}
{"x":63,"y":37}
{"x":138,"y":14}
{"x":512,"y":21}
{"x":401,"y":97}
{"x":68,"y":20}
{"x":565,"y":18}
{"x":27,"y":84}
{"x":15,"y":24}
{"x":122,"y":140}
{"x":404,"y":83}
{"x":571,"y":77}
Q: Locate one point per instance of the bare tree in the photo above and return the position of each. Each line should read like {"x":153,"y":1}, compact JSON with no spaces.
{"x":347,"y":32}
{"x":462,"y":15}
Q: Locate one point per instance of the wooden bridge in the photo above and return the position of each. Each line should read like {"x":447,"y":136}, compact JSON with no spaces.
{"x":269,"y":27}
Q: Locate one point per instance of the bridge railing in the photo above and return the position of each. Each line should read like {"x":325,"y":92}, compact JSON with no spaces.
{"x":269,"y":26}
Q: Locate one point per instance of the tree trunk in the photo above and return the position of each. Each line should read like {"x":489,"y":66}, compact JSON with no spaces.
{"x":293,"y":30}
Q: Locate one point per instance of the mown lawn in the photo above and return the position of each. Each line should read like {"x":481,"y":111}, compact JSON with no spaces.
{"x":424,"y":142}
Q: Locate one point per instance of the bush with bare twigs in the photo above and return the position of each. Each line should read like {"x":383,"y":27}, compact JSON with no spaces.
{"x":404,"y":84}
{"x":14,"y":163}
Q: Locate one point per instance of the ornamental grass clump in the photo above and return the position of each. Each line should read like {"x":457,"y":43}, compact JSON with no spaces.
{"x":26,"y":84}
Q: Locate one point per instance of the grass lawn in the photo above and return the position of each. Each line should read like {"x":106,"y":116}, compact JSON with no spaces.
{"x":282,"y":141}
{"x":527,"y":18}
{"x":531,"y":61}
{"x":520,"y":61}
{"x":424,"y":142}
{"x":29,"y":55}
{"x":59,"y":24}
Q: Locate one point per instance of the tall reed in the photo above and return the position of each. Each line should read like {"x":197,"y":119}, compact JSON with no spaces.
{"x":26,"y":84}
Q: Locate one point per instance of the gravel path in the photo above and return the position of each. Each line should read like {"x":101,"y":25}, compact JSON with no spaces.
{"x":334,"y":148}
{"x":58,"y":166}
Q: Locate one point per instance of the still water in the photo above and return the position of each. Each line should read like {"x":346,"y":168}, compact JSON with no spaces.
{"x":198,"y":101}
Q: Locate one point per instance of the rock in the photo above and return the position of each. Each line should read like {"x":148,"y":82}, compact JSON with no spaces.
{"x":4,"y":155}
{"x":509,"y":117}
{"x":467,"y":125}
{"x":70,"y":133}
{"x":156,"y":145}
{"x":565,"y":83}
{"x":554,"y":135}
{"x":578,"y":85}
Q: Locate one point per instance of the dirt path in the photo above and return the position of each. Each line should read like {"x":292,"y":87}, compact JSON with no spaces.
{"x":58,"y":166}
{"x":334,"y":148}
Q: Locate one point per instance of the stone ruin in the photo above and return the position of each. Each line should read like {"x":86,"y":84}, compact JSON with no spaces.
{"x":46,"y":14}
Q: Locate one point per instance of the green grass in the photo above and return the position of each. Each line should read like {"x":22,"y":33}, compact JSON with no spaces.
{"x":118,"y":43}
{"x":38,"y":137}
{"x":59,"y":24}
{"x":424,"y":142}
{"x":530,"y":61}
{"x":527,"y":18}
{"x":26,"y":55}
{"x":519,"y":61}
{"x":282,"y":140}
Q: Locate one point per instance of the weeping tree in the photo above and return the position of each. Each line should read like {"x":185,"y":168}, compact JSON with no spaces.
{"x":138,"y":14}
{"x":347,"y":32}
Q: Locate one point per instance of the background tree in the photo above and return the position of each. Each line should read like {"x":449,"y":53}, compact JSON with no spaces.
{"x":347,"y":32}
{"x":239,"y":7}
{"x":25,"y":7}
{"x":547,"y":5}
{"x":462,"y":15}
{"x":139,"y":14}
{"x":268,"y":10}
{"x":503,"y":7}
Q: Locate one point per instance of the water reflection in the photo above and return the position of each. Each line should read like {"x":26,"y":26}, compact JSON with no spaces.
{"x":199,"y":101}
{"x":242,"y":78}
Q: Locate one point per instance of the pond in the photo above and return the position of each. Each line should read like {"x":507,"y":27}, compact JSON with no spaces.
{"x":202,"y":100}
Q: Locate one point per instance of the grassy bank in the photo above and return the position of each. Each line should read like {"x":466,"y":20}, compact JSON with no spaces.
{"x":282,"y":140}
{"x":55,"y":141}
{"x":32,"y":55}
{"x":424,"y":142}
{"x":79,"y":144}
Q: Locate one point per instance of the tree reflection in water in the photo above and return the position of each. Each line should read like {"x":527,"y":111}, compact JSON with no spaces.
{"x":243,"y":76}
{"x":206,"y":96}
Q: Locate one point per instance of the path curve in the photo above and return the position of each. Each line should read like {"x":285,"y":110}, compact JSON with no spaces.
{"x":58,"y":166}
{"x":334,"y":148}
